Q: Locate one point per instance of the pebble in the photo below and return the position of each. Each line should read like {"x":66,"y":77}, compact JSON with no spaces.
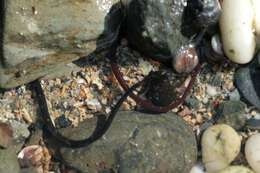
{"x":237,"y":31}
{"x":192,"y":102}
{"x":20,"y":130}
{"x":253,"y":124}
{"x":236,"y":169}
{"x":198,"y":168}
{"x":145,"y":66}
{"x":6,"y":135}
{"x":234,"y":95}
{"x":135,"y":142}
{"x":220,"y":145}
{"x":232,"y":113}
{"x":216,"y":81}
{"x":94,"y":104}
{"x":211,"y":90}
{"x":252,"y":152}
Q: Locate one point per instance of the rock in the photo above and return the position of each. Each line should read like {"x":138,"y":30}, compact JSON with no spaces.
{"x":217,"y":81}
{"x":248,"y":82}
{"x":252,"y":152}
{"x":198,"y":168}
{"x":220,"y":145}
{"x":192,"y":102}
{"x":232,"y":113}
{"x":253,"y":124}
{"x":234,"y":95}
{"x":154,"y":27}
{"x":237,"y":30}
{"x":8,"y":160}
{"x":20,"y":130}
{"x":6,"y":135}
{"x":135,"y":142}
{"x":236,"y":169}
{"x":41,"y":37}
{"x":20,"y":134}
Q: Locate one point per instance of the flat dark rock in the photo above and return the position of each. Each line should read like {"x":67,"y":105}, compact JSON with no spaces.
{"x":135,"y":142}
{"x":248,"y":82}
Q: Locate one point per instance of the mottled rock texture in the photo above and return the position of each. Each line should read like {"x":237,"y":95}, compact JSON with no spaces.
{"x":40,"y":37}
{"x":135,"y":142}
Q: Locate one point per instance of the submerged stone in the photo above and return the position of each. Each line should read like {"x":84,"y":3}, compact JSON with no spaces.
{"x":135,"y":142}
{"x":41,"y":37}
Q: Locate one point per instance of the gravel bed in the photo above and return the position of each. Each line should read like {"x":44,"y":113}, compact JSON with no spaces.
{"x":94,"y":90}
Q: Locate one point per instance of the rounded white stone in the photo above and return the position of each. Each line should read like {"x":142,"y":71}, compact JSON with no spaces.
{"x":237,"y":32}
{"x":256,"y":6}
{"x":236,"y":169}
{"x":252,"y":152}
{"x":220,"y":145}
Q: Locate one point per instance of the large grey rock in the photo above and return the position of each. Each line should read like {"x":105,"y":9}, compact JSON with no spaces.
{"x":8,"y":161}
{"x":136,"y":142}
{"x":40,"y":37}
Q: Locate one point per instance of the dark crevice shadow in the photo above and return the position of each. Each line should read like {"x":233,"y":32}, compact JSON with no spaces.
{"x":2,"y":23}
{"x":254,"y":69}
{"x":112,"y":23}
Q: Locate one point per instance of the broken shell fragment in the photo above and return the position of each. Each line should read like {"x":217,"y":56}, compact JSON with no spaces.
{"x":37,"y":156}
{"x":30,"y":156}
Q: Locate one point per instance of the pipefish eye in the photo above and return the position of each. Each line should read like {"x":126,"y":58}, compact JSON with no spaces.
{"x":186,"y":59}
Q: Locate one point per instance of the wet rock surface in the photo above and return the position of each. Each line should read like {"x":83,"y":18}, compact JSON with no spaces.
{"x":8,"y":160}
{"x":156,"y":27}
{"x":35,"y":43}
{"x":135,"y":142}
{"x":232,"y":113}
